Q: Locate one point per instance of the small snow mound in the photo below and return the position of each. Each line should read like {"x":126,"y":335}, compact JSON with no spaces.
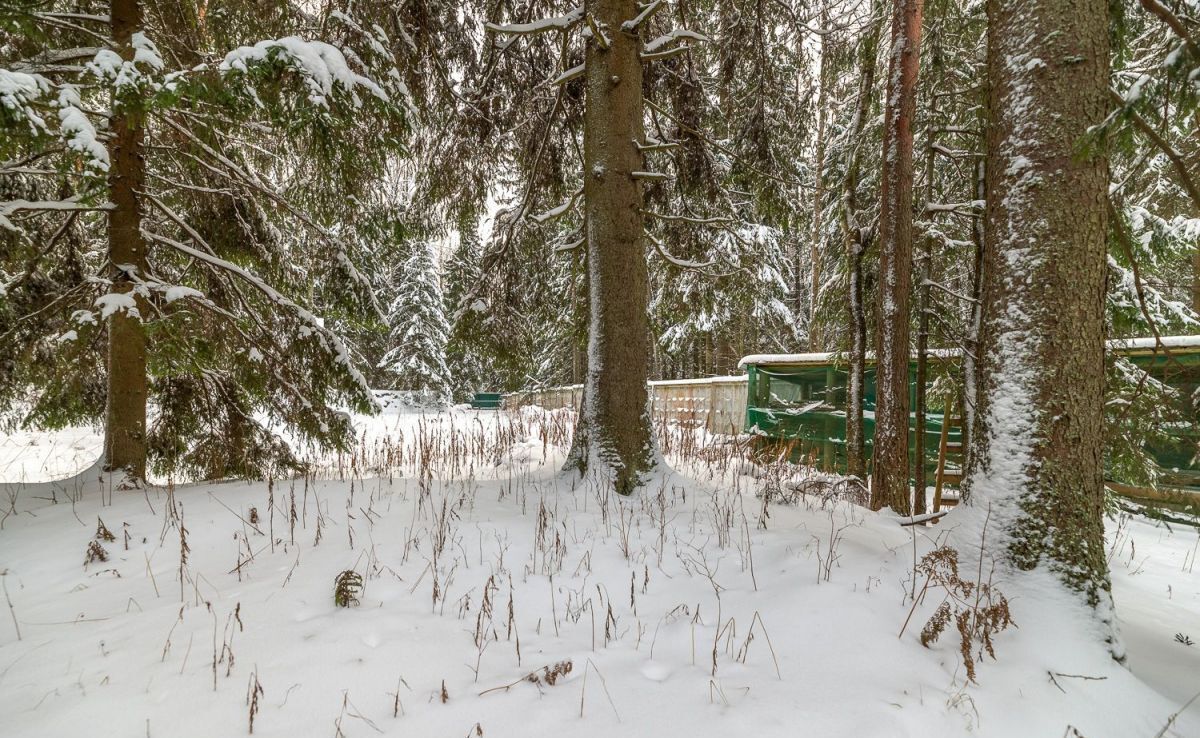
{"x":656,"y":671}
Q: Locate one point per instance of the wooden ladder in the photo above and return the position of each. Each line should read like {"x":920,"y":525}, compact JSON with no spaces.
{"x":946,"y":450}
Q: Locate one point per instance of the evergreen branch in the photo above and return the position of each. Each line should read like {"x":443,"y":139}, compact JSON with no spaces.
{"x":46,"y":248}
{"x":73,"y":293}
{"x":1173,"y":22}
{"x":271,"y":347}
{"x":330,"y":341}
{"x":283,"y":202}
{"x":724,"y":149}
{"x":70,"y":25}
{"x":490,"y":259}
{"x":1163,"y":145}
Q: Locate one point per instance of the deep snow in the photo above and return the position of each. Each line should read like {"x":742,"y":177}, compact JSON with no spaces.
{"x":497,"y":566}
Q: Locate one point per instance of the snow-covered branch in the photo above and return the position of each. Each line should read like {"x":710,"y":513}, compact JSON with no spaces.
{"x":9,"y":207}
{"x":568,"y":75}
{"x":681,"y":263}
{"x":667,"y":39}
{"x":630,"y":26}
{"x":322,"y":65}
{"x":555,"y":23}
{"x":559,"y":211}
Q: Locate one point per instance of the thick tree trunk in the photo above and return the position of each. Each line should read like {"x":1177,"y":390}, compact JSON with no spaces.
{"x":1037,"y":466}
{"x":854,"y":245}
{"x":125,"y":417}
{"x":889,"y":475}
{"x":614,"y":430}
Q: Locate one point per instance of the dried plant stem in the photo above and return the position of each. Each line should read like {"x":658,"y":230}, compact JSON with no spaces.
{"x":11,"y":610}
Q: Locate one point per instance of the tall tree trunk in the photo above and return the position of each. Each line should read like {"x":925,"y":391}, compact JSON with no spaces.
{"x":889,"y":475}
{"x":614,"y":429}
{"x":971,"y":378}
{"x":1037,"y":467}
{"x":923,"y":307}
{"x":816,"y":339}
{"x":854,"y":245}
{"x":125,"y":416}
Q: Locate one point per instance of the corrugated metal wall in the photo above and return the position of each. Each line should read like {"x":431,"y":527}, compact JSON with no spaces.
{"x":719,"y":403}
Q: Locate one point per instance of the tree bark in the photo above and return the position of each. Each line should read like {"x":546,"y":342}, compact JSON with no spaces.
{"x":125,"y":415}
{"x":889,"y":475}
{"x":614,"y":430}
{"x":923,"y":307}
{"x":854,"y":244}
{"x":1037,"y":464}
{"x":971,"y":378}
{"x":816,"y":339}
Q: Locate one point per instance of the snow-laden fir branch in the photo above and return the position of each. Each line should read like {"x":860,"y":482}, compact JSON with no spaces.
{"x":653,"y":56}
{"x":322,"y":65}
{"x":681,"y":263}
{"x":554,"y":23}
{"x":559,"y":211}
{"x":1159,"y":309}
{"x":630,"y":26}
{"x":568,"y":75}
{"x":9,"y":207}
{"x":667,"y":39}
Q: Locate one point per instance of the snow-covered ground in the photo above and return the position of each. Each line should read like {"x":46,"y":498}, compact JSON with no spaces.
{"x":504,"y":599}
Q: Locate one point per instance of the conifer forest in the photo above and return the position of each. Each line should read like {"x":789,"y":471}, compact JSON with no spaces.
{"x":668,"y":368}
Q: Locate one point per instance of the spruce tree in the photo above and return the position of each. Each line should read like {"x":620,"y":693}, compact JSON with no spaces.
{"x":195,"y":175}
{"x":418,"y":330}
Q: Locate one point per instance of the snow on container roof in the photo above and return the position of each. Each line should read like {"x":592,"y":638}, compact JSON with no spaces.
{"x":822,"y":358}
{"x":1148,"y":345}
{"x":1182,"y":344}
